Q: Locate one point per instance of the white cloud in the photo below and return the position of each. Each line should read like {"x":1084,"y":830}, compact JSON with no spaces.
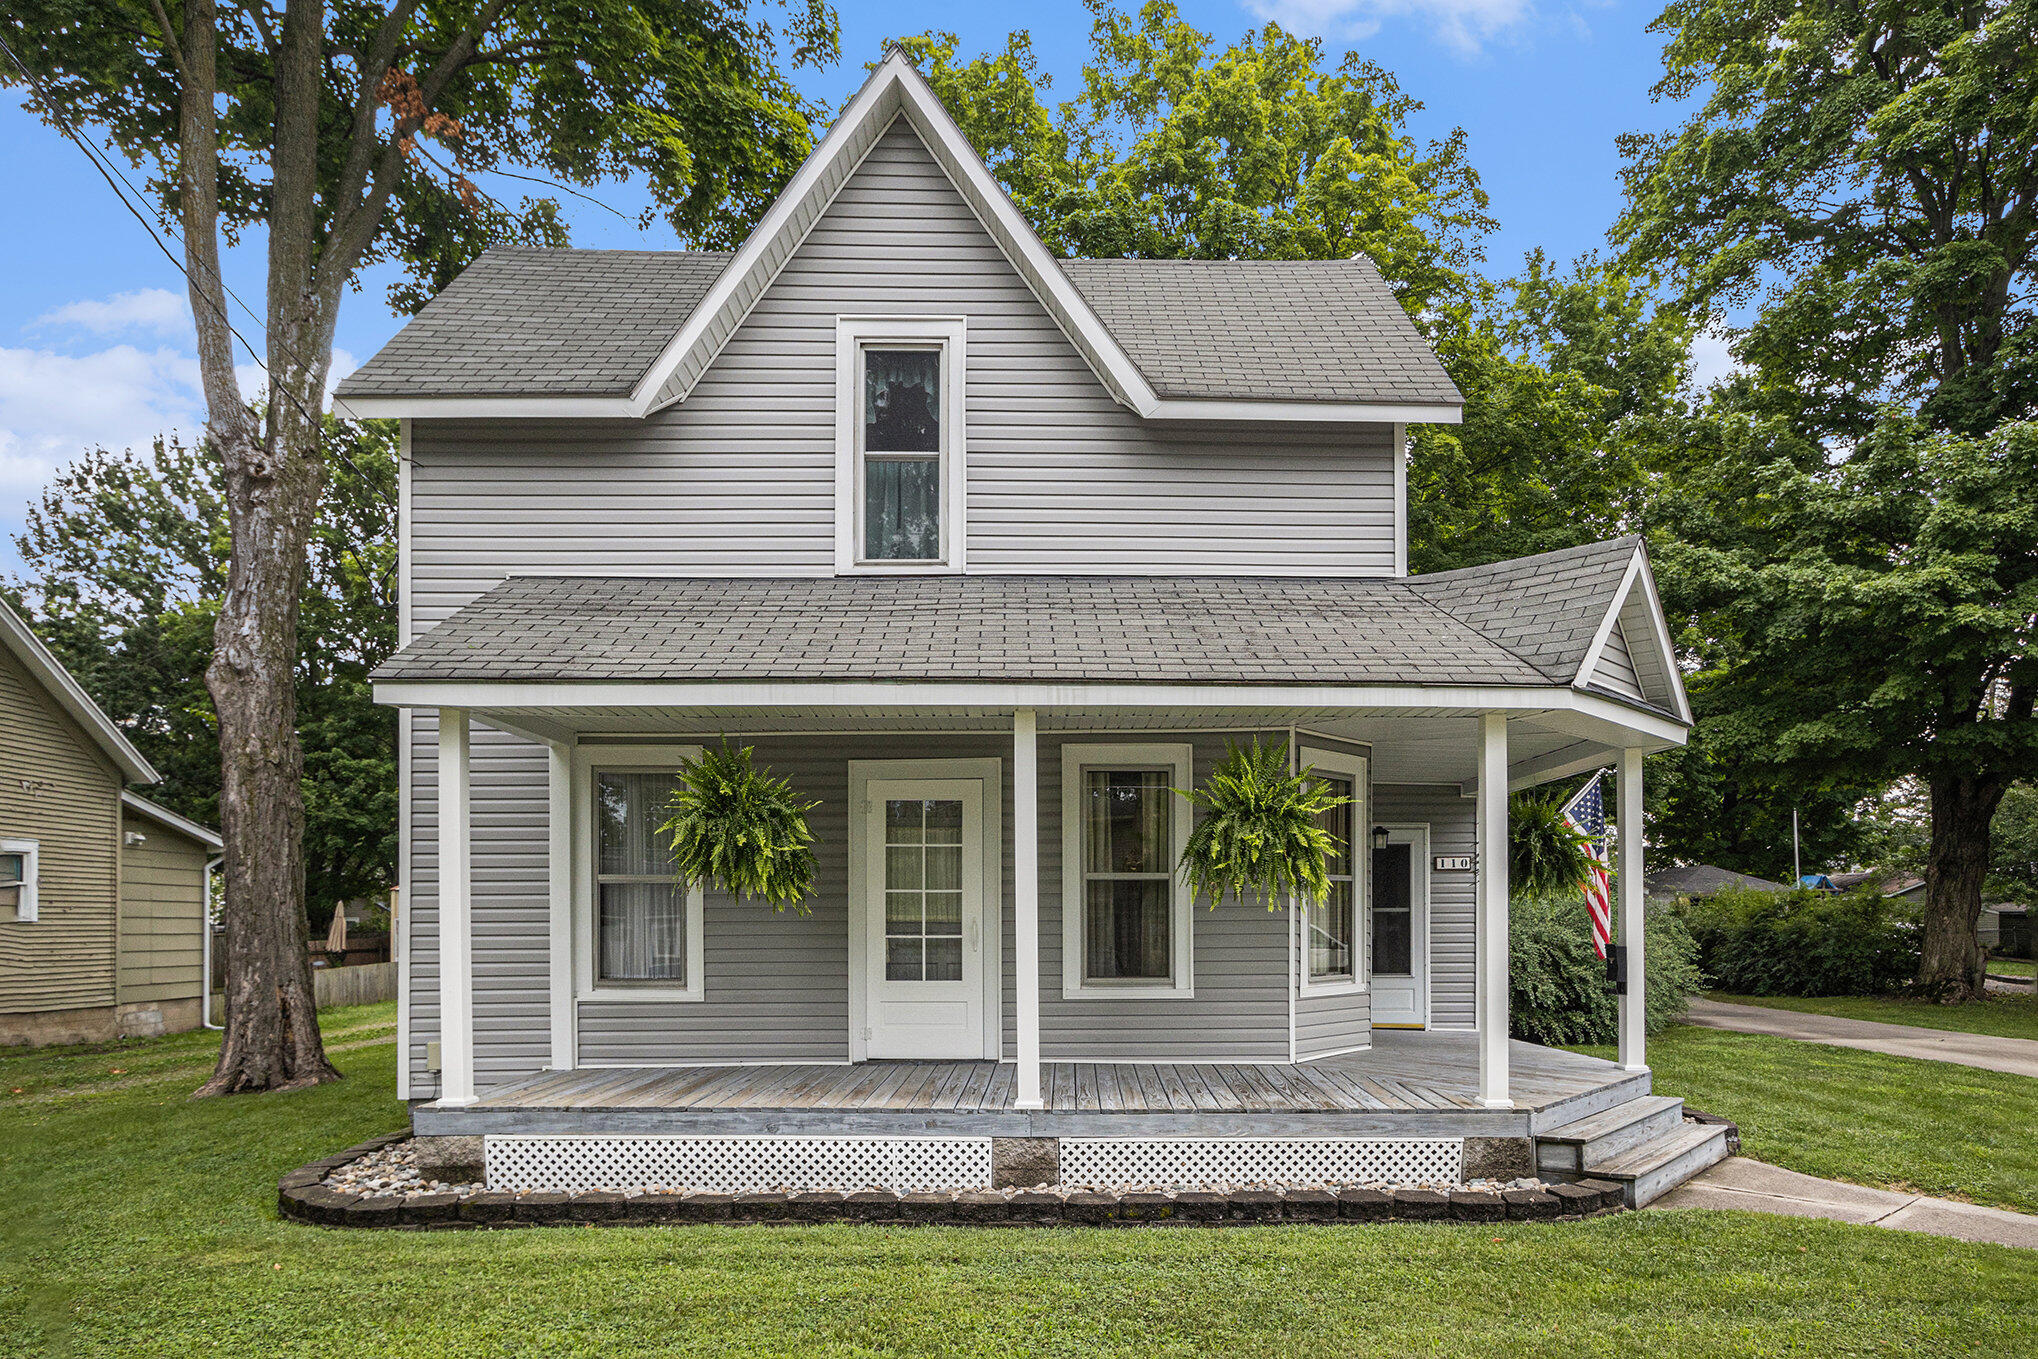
{"x":149,"y":311}
{"x":1464,"y":25}
{"x":54,"y":406}
{"x":1711,"y":359}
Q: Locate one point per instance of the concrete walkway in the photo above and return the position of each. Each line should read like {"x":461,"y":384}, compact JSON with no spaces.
{"x":2017,"y":1056}
{"x":1738,"y":1182}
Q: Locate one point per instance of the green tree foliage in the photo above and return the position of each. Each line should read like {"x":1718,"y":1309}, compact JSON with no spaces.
{"x":125,"y":558}
{"x":1803,"y":943}
{"x":742,"y":829}
{"x":1261,"y":833}
{"x":1557,"y":992}
{"x":1856,"y":557}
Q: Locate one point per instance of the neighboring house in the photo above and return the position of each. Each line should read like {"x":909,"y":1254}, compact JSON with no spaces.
{"x":1902,"y":886}
{"x":985,"y":552}
{"x":102,"y":892}
{"x":1701,"y":880}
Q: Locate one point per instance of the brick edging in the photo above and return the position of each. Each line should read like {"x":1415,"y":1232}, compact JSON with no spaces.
{"x":301,"y":1195}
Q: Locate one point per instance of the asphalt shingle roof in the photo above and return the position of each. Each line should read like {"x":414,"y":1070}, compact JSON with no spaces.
{"x":534,"y":321}
{"x":1545,"y":609}
{"x":1150,"y":629}
{"x":1268,"y":330}
{"x":531,"y":321}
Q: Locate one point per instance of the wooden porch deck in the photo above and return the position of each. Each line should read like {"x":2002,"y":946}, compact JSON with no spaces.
{"x":1409,"y":1084}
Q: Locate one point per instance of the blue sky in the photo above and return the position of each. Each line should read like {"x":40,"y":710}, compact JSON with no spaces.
{"x":95,"y":339}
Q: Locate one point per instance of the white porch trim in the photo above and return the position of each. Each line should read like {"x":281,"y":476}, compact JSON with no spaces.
{"x":456,"y":935}
{"x":1490,"y":928}
{"x":1633,"y":1005}
{"x":1026,"y":907}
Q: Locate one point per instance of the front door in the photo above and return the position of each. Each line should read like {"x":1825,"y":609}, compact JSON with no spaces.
{"x":924,"y":917}
{"x":1398,"y":945}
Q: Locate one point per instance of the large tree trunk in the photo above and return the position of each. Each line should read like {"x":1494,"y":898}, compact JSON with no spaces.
{"x":1951,"y":964}
{"x":273,"y":480}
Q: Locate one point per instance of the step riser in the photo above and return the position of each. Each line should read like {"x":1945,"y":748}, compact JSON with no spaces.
{"x":1565,"y":1156}
{"x":1646,"y":1189}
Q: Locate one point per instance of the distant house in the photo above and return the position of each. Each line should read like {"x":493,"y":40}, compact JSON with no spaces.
{"x":1906,"y":886}
{"x":102,"y":892}
{"x":1701,"y":880}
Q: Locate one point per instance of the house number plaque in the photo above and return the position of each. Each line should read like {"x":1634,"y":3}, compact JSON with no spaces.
{"x":1452,"y":863}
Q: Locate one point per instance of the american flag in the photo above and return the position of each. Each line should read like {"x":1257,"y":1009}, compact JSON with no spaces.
{"x":1586,"y":814}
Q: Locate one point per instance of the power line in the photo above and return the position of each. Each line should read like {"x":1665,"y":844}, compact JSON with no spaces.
{"x":110,"y":173}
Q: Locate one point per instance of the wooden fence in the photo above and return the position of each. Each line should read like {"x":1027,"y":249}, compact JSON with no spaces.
{"x":362,"y":985}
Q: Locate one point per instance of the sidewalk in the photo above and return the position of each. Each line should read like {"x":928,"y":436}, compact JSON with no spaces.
{"x":1756,"y":1187}
{"x":2017,"y":1056}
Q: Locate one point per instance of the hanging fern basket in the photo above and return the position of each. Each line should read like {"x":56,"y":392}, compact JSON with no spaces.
{"x":1262,"y":830}
{"x":735,"y":826}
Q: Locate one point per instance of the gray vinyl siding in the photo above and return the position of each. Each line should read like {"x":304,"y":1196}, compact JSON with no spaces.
{"x":740,"y":476}
{"x":1615,"y":671}
{"x":1453,"y":829}
{"x":1332,"y":1024}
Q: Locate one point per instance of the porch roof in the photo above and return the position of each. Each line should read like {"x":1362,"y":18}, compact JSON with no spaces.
{"x":1527,"y":623}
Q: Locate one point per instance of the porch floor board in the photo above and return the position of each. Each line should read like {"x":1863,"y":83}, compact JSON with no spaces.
{"x":1409,"y":1083}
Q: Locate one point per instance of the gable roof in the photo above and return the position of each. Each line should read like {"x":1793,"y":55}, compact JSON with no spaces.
{"x":1360,"y":358}
{"x":1702,"y":879}
{"x":47,"y":671}
{"x":1063,"y":629}
{"x":163,"y":816}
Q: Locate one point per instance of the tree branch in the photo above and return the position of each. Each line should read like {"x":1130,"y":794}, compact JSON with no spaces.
{"x":169,"y":36}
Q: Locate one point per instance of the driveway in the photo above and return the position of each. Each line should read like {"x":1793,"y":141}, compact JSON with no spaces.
{"x":2017,"y":1056}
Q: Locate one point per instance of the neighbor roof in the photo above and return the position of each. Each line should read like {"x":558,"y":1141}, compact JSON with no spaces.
{"x":1294,"y":340}
{"x":1702,"y":879}
{"x":163,"y":816}
{"x":976,"y":628}
{"x":70,"y":695}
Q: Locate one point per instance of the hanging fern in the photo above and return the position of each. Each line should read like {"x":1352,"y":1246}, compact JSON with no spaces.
{"x":736,"y":827}
{"x":1261,"y":831}
{"x":1544,"y":855}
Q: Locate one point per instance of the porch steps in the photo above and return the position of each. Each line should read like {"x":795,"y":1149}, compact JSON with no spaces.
{"x":1643,"y":1145}
{"x":1569,"y":1149}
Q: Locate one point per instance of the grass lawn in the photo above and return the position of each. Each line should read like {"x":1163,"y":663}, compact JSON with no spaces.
{"x":2000,"y":1015}
{"x":1896,"y":1122}
{"x":140,"y":1223}
{"x":2012,"y":967}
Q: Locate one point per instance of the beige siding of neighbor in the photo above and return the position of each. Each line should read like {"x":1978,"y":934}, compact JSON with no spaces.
{"x":162,"y":913}
{"x":57,"y":789}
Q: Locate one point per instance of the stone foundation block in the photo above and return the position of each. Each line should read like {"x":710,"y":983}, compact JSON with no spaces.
{"x":1310,"y":1205}
{"x":1421,"y":1205}
{"x":1499,"y":1158}
{"x":1023,"y":1162}
{"x":1364,"y":1205}
{"x":1477,"y":1205}
{"x":456,"y":1160}
{"x":1530,"y":1203}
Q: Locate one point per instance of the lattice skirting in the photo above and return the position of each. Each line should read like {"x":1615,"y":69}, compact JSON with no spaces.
{"x":738,"y":1165}
{"x":1235,"y":1160}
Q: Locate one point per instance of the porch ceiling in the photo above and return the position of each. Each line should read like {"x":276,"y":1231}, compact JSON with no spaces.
{"x":1410,"y":745}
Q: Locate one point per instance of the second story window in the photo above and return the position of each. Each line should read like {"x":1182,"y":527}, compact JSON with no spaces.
{"x":901,"y":437}
{"x":899,"y":434}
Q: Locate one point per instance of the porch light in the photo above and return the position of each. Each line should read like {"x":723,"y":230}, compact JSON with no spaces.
{"x":1379,"y":837}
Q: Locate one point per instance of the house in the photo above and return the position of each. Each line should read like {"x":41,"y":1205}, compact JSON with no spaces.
{"x":102,"y":892}
{"x":985,"y":552}
{"x":1897,"y":886}
{"x":1701,"y":880}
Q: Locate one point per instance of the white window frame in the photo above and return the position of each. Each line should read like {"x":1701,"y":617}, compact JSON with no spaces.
{"x":1358,"y":769}
{"x":853,"y":335}
{"x":587,"y":759}
{"x":26,"y":910}
{"x":1177,"y":758}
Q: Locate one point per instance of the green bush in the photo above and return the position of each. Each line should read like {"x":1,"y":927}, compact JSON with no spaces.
{"x":1557,"y":988}
{"x":1803,"y":943}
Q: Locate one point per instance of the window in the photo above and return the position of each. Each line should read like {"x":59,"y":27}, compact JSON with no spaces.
{"x":17,"y":880}
{"x":640,"y":932}
{"x":1125,"y":912}
{"x":1330,"y":928}
{"x":923,"y":889}
{"x":899,"y":439}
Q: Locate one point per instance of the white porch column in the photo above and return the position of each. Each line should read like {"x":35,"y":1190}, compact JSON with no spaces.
{"x":456,"y":935}
{"x":1633,"y":1006}
{"x":1026,"y":903}
{"x":559,"y":886}
{"x":1491,"y":931}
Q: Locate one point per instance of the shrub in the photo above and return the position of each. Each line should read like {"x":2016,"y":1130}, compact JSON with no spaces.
{"x":1803,"y":943}
{"x":1558,"y":993}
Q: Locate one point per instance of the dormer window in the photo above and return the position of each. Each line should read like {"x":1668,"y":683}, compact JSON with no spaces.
{"x":899,"y":434}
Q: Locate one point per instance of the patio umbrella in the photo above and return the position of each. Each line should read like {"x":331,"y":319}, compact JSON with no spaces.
{"x":336,"y":937}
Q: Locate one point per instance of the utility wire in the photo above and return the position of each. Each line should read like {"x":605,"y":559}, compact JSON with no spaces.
{"x":114,"y":181}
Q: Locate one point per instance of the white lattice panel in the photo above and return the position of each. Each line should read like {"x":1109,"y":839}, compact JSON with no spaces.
{"x":737,"y":1165}
{"x":1244,"y":1160}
